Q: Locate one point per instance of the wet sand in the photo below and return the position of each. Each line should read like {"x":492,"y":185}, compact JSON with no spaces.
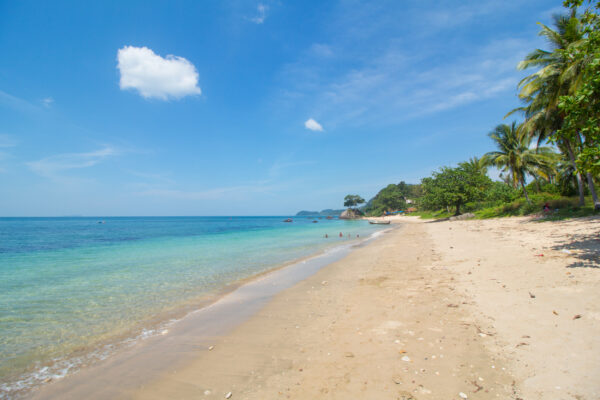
{"x":506,"y":308}
{"x":183,"y":340}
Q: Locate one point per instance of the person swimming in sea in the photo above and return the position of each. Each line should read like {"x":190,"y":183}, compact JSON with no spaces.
{"x":341,"y":234}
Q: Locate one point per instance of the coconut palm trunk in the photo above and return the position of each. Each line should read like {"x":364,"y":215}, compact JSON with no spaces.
{"x":524,"y":190}
{"x":590,"y":180}
{"x":577,"y":173}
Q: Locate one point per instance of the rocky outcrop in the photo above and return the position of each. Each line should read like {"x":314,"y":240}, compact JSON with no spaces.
{"x":462,"y":217}
{"x":350,"y":213}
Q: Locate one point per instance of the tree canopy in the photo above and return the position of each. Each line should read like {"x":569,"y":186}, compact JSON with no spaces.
{"x":515,"y":155}
{"x":453,"y":187}
{"x":390,"y":198}
{"x":393,"y":198}
{"x":581,"y":108}
{"x":353,"y":200}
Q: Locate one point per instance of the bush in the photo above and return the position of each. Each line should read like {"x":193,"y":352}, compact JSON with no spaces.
{"x":500,"y":192}
{"x":550,"y":188}
{"x":564,"y":202}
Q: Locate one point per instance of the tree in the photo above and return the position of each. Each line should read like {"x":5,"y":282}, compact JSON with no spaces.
{"x":559,"y":75}
{"x":515,"y":155}
{"x":478,"y":165}
{"x":453,"y":187}
{"x":393,"y":197}
{"x":390,"y":198}
{"x":352,"y":200}
{"x":581,"y":108}
{"x":501,"y":192}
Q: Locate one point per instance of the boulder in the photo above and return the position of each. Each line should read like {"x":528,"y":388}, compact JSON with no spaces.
{"x":350,"y":214}
{"x":462,"y":217}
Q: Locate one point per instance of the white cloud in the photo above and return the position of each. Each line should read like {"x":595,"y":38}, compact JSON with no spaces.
{"x":388,"y":87}
{"x":261,"y":15}
{"x":154,"y":76}
{"x":51,"y":166}
{"x":17,"y":103}
{"x":47,"y":102}
{"x":313,"y":125}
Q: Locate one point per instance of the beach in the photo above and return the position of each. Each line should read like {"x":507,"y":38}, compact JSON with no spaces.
{"x":505,"y":308}
{"x":77,"y":291}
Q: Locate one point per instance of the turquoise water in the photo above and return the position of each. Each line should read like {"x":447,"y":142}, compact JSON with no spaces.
{"x":72,"y":290}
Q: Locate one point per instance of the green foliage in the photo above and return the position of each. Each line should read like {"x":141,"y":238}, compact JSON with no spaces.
{"x":453,"y":187}
{"x":352,"y":200}
{"x":425,"y":214}
{"x":560,"y":74}
{"x":515,"y":155}
{"x":550,"y":188}
{"x":581,"y":108}
{"x":559,"y":205}
{"x":478,"y":165}
{"x":409,"y":190}
{"x":389,"y":198}
{"x":392,"y":198}
{"x":500,"y":192}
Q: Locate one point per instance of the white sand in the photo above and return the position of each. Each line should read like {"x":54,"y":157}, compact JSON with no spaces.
{"x":426,"y":312}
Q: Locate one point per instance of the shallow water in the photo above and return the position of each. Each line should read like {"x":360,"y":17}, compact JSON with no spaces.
{"x":72,"y":290}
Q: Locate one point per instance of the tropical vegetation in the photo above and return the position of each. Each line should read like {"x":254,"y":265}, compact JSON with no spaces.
{"x":353,"y":200}
{"x":453,"y":188}
{"x":550,"y":159}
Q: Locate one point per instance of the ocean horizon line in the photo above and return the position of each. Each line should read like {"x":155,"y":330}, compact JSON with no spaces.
{"x":153,"y":216}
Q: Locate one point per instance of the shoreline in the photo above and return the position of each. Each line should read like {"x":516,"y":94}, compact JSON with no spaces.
{"x":425,"y":311}
{"x":428,"y":311}
{"x":163,"y":327}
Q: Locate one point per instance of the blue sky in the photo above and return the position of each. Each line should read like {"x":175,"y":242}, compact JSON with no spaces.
{"x":246,"y":107}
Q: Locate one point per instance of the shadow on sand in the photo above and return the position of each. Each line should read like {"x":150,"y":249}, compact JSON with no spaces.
{"x":585,"y":249}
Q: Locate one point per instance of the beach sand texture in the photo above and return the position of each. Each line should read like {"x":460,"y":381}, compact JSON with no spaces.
{"x":506,"y":308}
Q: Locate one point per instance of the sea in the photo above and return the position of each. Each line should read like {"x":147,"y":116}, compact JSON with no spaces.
{"x":73,"y":291}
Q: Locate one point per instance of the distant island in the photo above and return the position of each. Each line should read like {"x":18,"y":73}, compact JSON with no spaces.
{"x":323,"y":213}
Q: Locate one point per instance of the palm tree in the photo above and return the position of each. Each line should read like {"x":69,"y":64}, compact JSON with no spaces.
{"x":516,"y":156}
{"x":477,"y":165}
{"x":565,"y":174}
{"x":557,"y":76}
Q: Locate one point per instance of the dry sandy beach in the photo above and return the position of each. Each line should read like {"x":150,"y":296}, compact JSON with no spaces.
{"x":506,"y":308}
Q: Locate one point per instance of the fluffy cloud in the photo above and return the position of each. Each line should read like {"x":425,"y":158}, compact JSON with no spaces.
{"x":313,"y":125}
{"x":154,"y":76}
